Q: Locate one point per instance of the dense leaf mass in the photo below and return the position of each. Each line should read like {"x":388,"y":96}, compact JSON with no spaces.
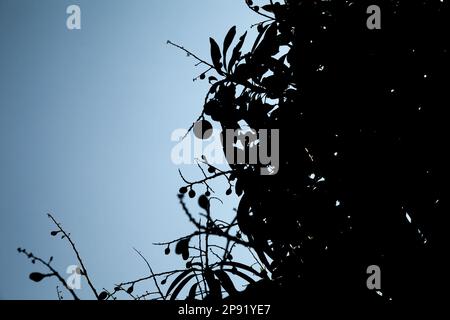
{"x":363,"y":146}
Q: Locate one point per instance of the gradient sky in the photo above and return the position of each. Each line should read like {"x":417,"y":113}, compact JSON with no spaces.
{"x":85,"y":124}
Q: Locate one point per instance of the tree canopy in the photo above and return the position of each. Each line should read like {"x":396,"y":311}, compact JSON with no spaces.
{"x":361,"y":119}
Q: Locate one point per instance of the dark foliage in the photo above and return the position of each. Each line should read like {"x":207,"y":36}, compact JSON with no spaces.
{"x":363,"y":136}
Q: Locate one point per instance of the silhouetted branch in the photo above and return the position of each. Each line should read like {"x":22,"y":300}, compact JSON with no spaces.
{"x":202,"y":181}
{"x":190,"y":54}
{"x":84,"y":270}
{"x":152,"y":273}
{"x":38,"y":277}
{"x":133,"y":282}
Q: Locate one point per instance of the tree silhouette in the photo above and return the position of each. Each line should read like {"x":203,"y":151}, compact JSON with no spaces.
{"x":362,"y":153}
{"x":360,"y":114}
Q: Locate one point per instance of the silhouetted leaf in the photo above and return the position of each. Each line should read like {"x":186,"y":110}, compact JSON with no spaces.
{"x":260,"y":34}
{"x":268,"y":44}
{"x":181,"y":246}
{"x":260,"y":27}
{"x":237,"y":51}
{"x":181,"y":286}
{"x":36,"y":276}
{"x":103,"y":295}
{"x":216,"y":56}
{"x":227,"y":42}
{"x":203,"y":202}
{"x":225,"y":281}
{"x":192,"y":292}
{"x":177,"y":280}
{"x":268,"y":8}
{"x":213,"y":284}
{"x":183,"y":190}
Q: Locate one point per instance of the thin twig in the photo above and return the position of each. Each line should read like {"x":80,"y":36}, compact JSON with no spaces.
{"x":84,"y":270}
{"x":54,"y":272}
{"x":149,"y":277}
{"x":219,"y":174}
{"x":152,"y":273}
{"x":190,"y":54}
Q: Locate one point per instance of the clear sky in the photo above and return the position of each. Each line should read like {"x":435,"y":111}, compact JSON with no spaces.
{"x":85,"y":124}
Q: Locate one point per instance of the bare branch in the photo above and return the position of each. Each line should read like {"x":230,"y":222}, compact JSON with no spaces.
{"x":54,"y":272}
{"x":84,"y":270}
{"x":152,"y":273}
{"x":190,"y":54}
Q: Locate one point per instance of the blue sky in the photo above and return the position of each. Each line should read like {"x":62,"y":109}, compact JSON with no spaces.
{"x":85,"y":124}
